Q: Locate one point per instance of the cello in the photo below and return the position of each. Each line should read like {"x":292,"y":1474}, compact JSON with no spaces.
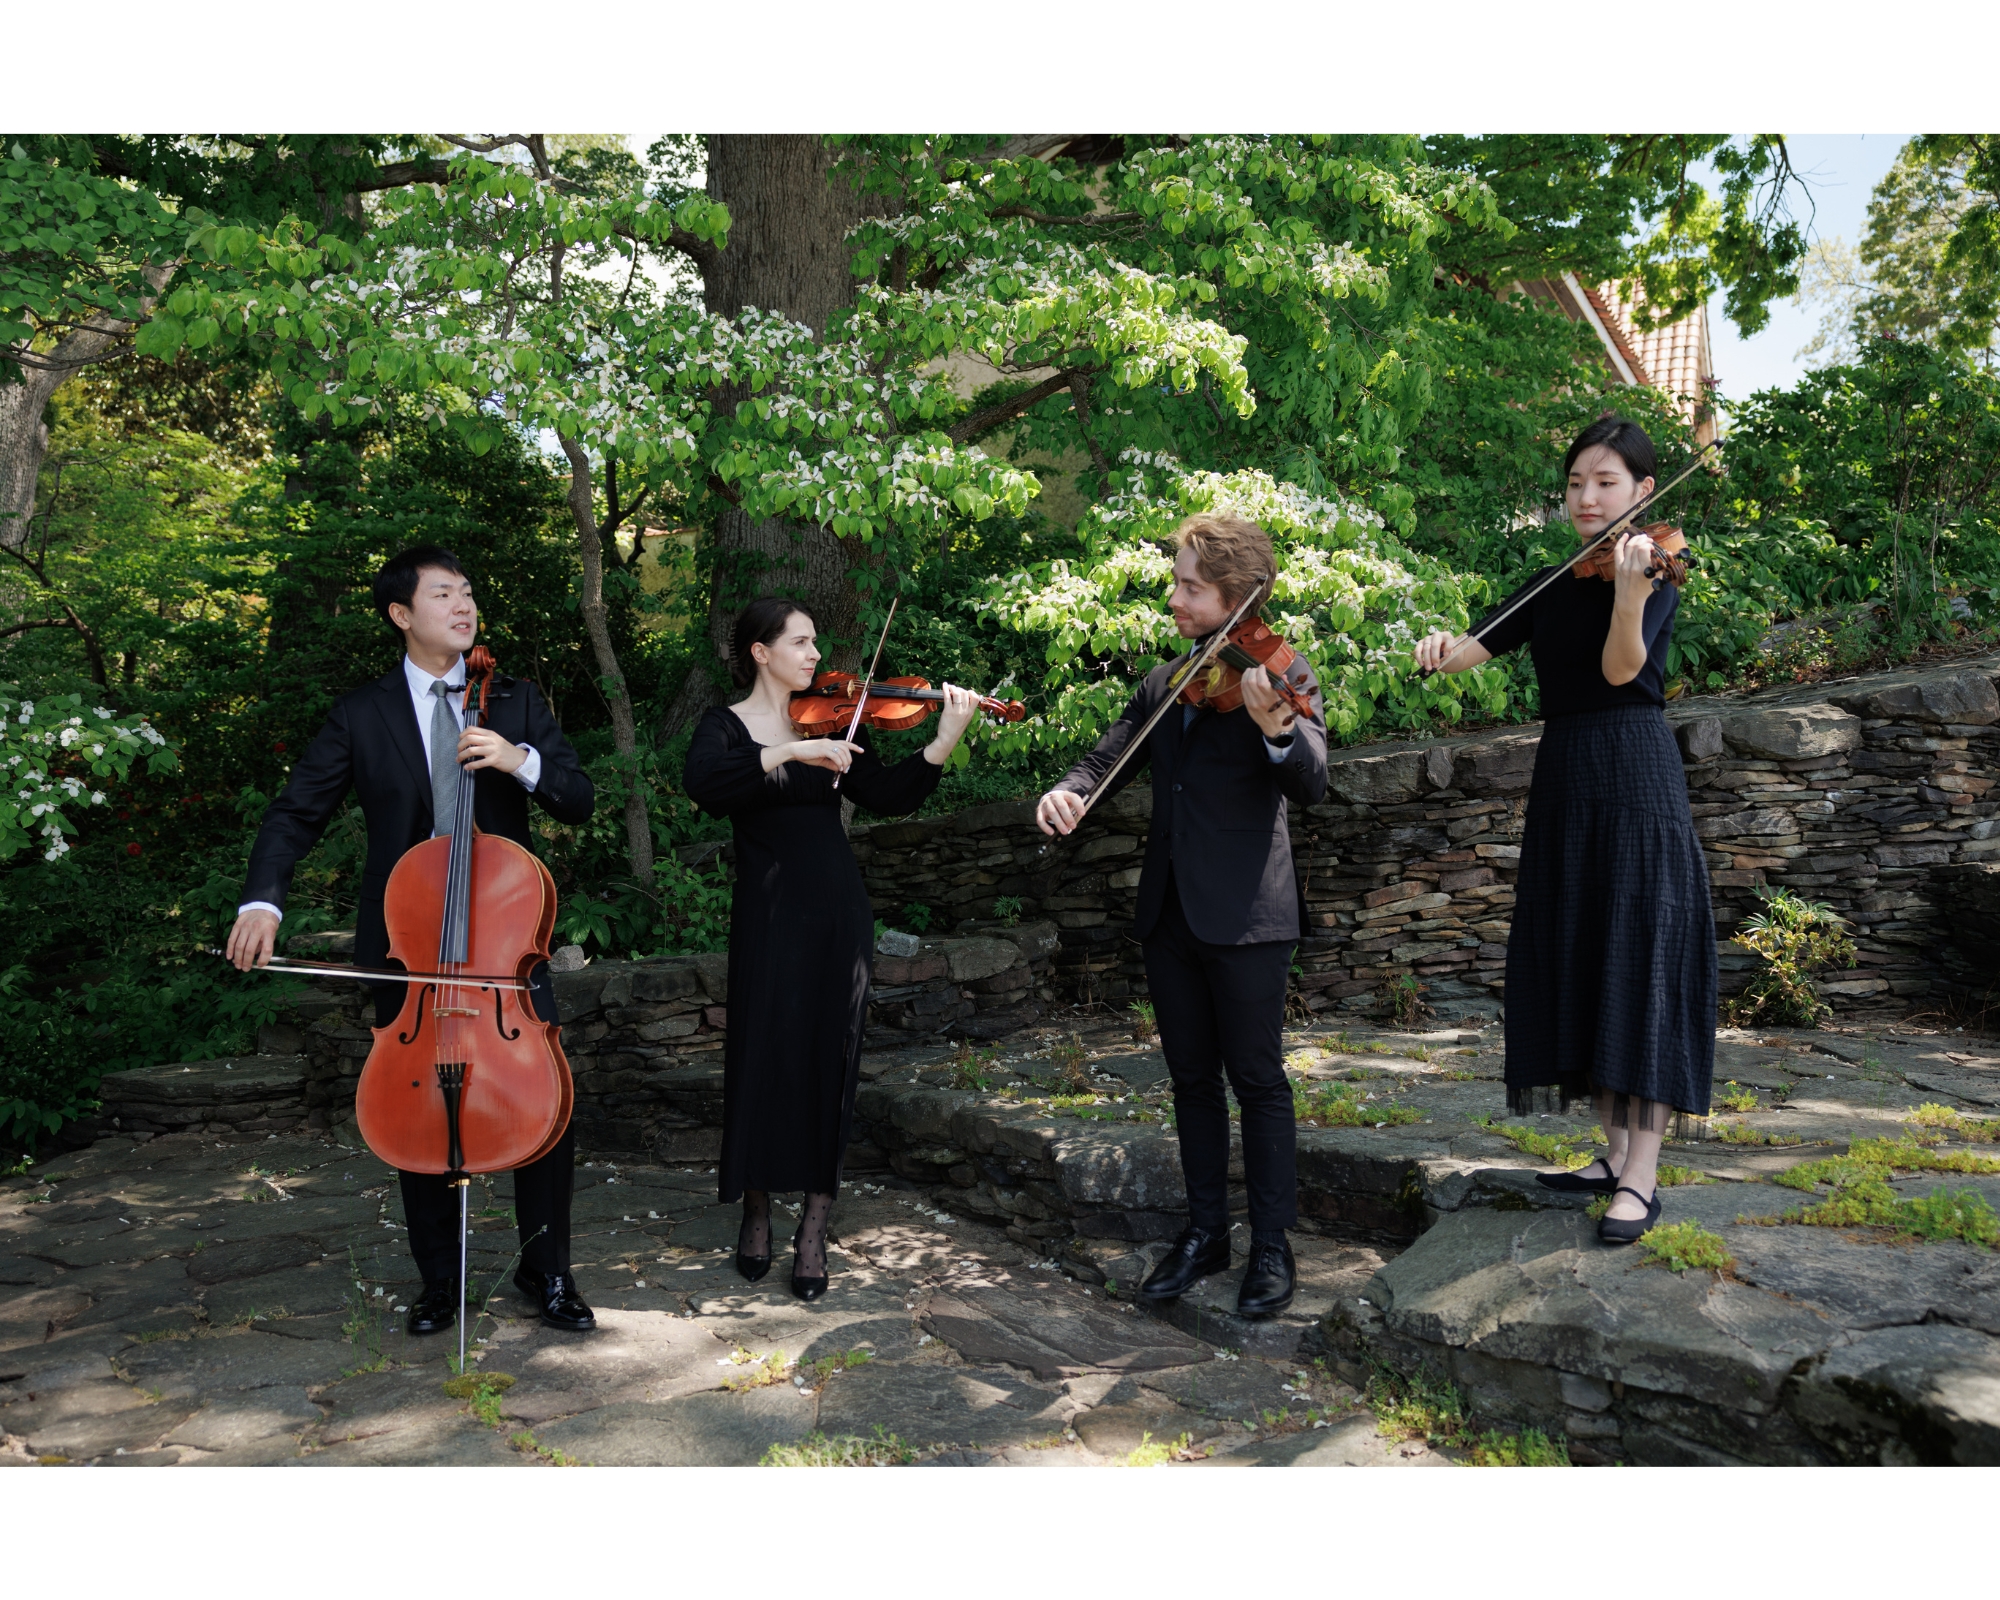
{"x":466,"y":1078}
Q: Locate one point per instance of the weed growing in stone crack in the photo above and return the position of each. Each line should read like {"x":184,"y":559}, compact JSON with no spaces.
{"x":815,"y":1373}
{"x":1145,"y":1022}
{"x":1894,"y":1155}
{"x":1673,"y":1177}
{"x":1071,"y":1063}
{"x":1540,"y":1145}
{"x":762,"y":1370}
{"x":973,"y":1068}
{"x":842,"y":1450}
{"x":1424,"y":1406}
{"x":1152,"y":1453}
{"x":1402,"y":1001}
{"x":1457,"y":1075}
{"x":484,"y":1390}
{"x":1339,"y":1106}
{"x":363,"y":1327}
{"x":1862,"y":1197}
{"x":1743,"y":1133}
{"x":528,"y":1444}
{"x":1678,"y":1246}
{"x":1735,"y":1098}
{"x":1529,"y":1448}
{"x":1933,"y":1122}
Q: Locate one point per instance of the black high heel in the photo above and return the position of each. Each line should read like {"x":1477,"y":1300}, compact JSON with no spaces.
{"x":1629,"y":1230}
{"x":1577,"y":1183}
{"x":805,"y":1288}
{"x":754,"y":1267}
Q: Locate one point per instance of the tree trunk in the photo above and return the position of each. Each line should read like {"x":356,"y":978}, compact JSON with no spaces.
{"x":624,"y":725}
{"x":788,"y":253}
{"x":24,"y":436}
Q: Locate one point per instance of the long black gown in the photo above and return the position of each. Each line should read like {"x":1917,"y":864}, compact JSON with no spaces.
{"x":1611,"y":966}
{"x":801,"y":952}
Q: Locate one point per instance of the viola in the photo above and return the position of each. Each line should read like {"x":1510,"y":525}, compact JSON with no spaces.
{"x":467,"y":1078}
{"x":1250,"y":643}
{"x":1667,"y":564}
{"x":826,"y":710}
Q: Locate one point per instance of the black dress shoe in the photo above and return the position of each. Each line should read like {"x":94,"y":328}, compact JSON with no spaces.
{"x":805,"y":1288}
{"x":1577,"y":1183}
{"x":434,"y":1310}
{"x":555,"y":1296}
{"x":1628,"y":1230}
{"x":752,"y":1267}
{"x":1268,"y":1281}
{"x":1195,"y":1254}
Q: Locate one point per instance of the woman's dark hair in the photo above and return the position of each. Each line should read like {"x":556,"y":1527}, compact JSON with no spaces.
{"x":1624,"y":438}
{"x":396,"y":583}
{"x":760,"y":622}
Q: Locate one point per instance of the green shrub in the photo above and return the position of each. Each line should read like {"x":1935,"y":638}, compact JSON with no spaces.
{"x":1796,"y":938}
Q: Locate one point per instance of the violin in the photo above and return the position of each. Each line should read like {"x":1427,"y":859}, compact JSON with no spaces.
{"x":828,"y":707}
{"x":1250,"y":643}
{"x":467,"y":1078}
{"x":1668,"y":563}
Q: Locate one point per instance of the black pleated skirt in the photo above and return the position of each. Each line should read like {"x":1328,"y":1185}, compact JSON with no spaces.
{"x":1611,"y":971}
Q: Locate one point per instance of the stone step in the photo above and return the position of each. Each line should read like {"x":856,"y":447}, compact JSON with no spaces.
{"x":241,"y":1093}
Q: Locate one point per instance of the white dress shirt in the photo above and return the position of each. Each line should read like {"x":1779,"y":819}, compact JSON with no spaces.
{"x":527,"y":774}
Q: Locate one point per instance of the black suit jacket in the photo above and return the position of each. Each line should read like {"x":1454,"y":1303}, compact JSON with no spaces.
{"x":371,"y":744}
{"x":1221,"y":821}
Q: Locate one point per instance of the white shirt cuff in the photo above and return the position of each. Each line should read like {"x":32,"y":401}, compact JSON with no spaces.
{"x":1278,"y":752}
{"x":260,"y":905}
{"x":529,"y":772}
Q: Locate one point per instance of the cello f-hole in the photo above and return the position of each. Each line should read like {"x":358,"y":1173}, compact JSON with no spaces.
{"x":499,"y":1022}
{"x":410,"y":1037}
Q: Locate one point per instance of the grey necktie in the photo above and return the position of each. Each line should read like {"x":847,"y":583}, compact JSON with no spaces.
{"x":444,"y":761}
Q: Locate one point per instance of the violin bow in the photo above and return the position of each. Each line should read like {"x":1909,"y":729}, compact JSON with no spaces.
{"x":1179,"y":681}
{"x":861,"y":700}
{"x":1618,"y":526}
{"x":333,"y":969}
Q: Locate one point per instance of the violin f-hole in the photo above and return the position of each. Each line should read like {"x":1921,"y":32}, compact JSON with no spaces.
{"x":411,"y":1036}
{"x":499,"y":1022}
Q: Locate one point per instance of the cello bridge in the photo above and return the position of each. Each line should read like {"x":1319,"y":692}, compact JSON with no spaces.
{"x":455,"y":1011}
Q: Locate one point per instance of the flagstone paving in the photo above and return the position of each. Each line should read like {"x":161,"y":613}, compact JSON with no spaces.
{"x":188,"y":1303}
{"x":194,"y":1300}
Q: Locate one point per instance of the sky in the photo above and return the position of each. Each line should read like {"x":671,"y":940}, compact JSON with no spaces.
{"x":1842,"y":170}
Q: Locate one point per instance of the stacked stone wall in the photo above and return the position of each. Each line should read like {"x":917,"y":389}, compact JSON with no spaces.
{"x":1874,"y":795}
{"x":644,"y":1038}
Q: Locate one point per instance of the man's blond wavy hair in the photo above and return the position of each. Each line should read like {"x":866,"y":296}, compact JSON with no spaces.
{"x":1230,"y":552}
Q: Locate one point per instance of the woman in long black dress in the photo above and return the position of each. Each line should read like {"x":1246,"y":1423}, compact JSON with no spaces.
{"x":801,"y":930}
{"x":1611,"y":971}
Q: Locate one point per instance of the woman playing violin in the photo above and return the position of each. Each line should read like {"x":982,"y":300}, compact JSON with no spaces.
{"x":1611,"y":969}
{"x":801,"y":930}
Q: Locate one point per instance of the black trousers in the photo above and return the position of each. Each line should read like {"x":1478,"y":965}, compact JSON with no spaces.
{"x":541,"y":1189}
{"x":1221,"y":1007}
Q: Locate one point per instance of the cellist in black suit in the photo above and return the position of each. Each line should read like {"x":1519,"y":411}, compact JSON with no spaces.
{"x":397,"y":744}
{"x":1220,"y":911}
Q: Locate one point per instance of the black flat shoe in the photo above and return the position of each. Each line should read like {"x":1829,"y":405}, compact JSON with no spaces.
{"x":1627,"y":1230}
{"x":433,"y":1311}
{"x":1268,"y":1281}
{"x":752,"y":1267}
{"x":556,"y":1298}
{"x":1577,"y":1183}
{"x":1195,"y":1254}
{"x":805,"y":1288}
